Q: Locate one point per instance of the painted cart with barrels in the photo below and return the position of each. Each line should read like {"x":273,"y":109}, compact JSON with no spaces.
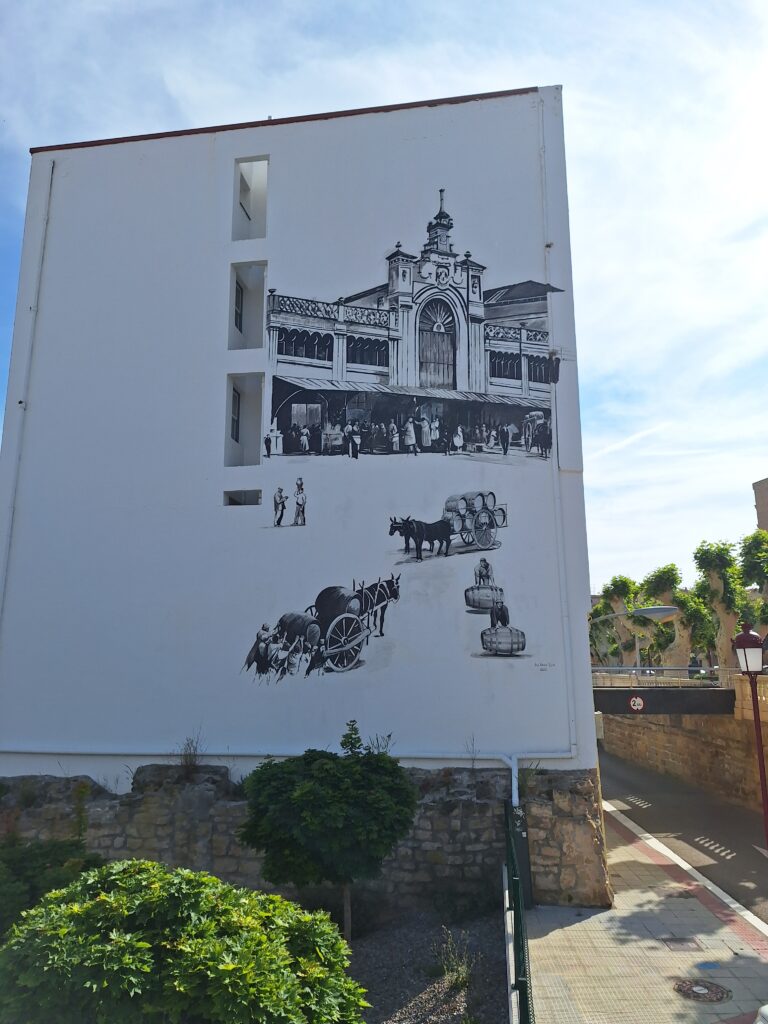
{"x":476,"y":517}
{"x":339,"y":629}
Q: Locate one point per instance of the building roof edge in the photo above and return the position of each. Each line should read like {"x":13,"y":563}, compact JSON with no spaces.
{"x":273,"y":122}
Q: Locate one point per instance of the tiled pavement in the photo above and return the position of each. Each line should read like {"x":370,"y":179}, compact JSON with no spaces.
{"x":614,"y":967}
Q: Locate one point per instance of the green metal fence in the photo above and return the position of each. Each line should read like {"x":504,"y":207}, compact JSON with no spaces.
{"x":522,"y":982}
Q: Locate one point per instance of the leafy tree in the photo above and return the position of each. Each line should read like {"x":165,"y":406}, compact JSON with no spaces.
{"x":136,"y":942}
{"x":328,"y":817}
{"x":621,"y":594}
{"x":719,"y":569}
{"x":753,"y":556}
{"x":661,"y":584}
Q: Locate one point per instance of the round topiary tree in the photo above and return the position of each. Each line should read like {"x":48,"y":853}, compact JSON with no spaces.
{"x":326,"y":817}
{"x":136,"y":941}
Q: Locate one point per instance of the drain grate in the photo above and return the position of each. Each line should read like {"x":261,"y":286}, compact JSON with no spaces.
{"x":702,"y":991}
{"x":680,"y":945}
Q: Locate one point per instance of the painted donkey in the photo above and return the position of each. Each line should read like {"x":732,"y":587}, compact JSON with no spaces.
{"x":376,"y":597}
{"x":418,"y":531}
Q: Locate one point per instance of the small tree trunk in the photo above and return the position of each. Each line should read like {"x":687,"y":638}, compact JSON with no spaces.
{"x":346,"y":892}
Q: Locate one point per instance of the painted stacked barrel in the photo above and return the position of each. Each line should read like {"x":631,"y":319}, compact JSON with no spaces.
{"x":299,"y":624}
{"x":505,"y":640}
{"x":334,"y":601}
{"x":460,"y":506}
{"x":483,"y":596}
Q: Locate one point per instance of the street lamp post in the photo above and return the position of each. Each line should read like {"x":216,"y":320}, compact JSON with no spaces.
{"x":749,"y":650}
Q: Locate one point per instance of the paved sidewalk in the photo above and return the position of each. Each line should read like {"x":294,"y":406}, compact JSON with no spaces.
{"x":615,"y":967}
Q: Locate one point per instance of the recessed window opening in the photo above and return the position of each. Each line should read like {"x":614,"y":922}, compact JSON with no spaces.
{"x":246,"y":305}
{"x":242,"y":497}
{"x":249,"y":213}
{"x":234,"y":428}
{"x":243,"y":437}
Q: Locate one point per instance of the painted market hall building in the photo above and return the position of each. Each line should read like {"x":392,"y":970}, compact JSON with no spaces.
{"x":431,"y":341}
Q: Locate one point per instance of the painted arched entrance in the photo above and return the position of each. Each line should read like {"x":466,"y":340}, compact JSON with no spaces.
{"x":437,"y":345}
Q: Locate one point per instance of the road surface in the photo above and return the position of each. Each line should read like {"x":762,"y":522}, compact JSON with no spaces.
{"x":721,"y":840}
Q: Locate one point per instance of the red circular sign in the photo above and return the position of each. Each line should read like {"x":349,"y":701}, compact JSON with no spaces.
{"x":636,"y":703}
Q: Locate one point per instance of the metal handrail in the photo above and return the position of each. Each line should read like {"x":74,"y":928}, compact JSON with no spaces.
{"x":522,"y":963}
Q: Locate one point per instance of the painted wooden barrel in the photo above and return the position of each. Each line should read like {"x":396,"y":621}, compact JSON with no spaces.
{"x":475,"y":500}
{"x":500,"y":515}
{"x":482,"y":596}
{"x":334,"y":601}
{"x":456,"y":503}
{"x":299,"y":624}
{"x":503,"y":640}
{"x":489,"y":500}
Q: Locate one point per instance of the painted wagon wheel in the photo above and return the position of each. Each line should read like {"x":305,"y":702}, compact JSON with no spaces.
{"x":528,"y":436}
{"x":500,"y":515}
{"x":344,"y":642}
{"x":484,"y":529}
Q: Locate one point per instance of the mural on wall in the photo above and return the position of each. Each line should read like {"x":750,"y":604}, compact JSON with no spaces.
{"x":456,"y":378}
{"x":280,"y":504}
{"x":429,"y":362}
{"x":475,"y":517}
{"x":485,"y":596}
{"x":328,"y":636}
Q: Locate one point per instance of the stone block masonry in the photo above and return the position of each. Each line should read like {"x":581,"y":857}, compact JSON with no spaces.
{"x":715,"y":752}
{"x":566,"y":838}
{"x":452,"y":856}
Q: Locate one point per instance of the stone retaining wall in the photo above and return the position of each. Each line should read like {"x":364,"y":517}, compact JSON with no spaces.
{"x":566,"y":838}
{"x":453,"y":854}
{"x":715,"y":752}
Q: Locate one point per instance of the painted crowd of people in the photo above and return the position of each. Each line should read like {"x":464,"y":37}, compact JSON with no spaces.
{"x":413,"y":435}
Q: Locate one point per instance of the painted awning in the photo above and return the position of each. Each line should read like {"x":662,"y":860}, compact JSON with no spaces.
{"x":439,"y":394}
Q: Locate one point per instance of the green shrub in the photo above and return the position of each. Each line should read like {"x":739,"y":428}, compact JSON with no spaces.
{"x":30,"y":869}
{"x":326,"y":817}
{"x":136,"y":941}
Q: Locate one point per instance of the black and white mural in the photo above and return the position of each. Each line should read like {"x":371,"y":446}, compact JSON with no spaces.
{"x":411,"y":563}
{"x":327,"y":636}
{"x":431,"y":361}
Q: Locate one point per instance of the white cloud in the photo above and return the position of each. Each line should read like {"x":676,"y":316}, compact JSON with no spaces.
{"x":664,"y":108}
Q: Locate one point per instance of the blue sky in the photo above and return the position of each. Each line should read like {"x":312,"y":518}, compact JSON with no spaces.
{"x":666,"y":149}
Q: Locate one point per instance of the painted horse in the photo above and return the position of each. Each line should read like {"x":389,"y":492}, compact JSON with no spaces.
{"x":419,"y":532}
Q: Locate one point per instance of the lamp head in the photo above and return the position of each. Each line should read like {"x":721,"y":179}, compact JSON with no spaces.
{"x":749,"y":650}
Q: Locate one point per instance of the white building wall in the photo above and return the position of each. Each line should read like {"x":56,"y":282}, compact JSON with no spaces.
{"x":131,"y":593}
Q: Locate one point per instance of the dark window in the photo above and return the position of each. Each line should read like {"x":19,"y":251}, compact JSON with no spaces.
{"x":234,"y":429}
{"x":540,"y":370}
{"x":506,"y":365}
{"x":239,"y":306}
{"x":305,"y":345}
{"x":242,"y":497}
{"x":368,"y":351}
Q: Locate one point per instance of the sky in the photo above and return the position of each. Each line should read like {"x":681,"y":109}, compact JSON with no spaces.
{"x":666,"y":146}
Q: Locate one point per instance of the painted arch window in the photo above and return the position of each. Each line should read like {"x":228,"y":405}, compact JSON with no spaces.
{"x":506,"y":365}
{"x":300,"y":344}
{"x":368,"y":351}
